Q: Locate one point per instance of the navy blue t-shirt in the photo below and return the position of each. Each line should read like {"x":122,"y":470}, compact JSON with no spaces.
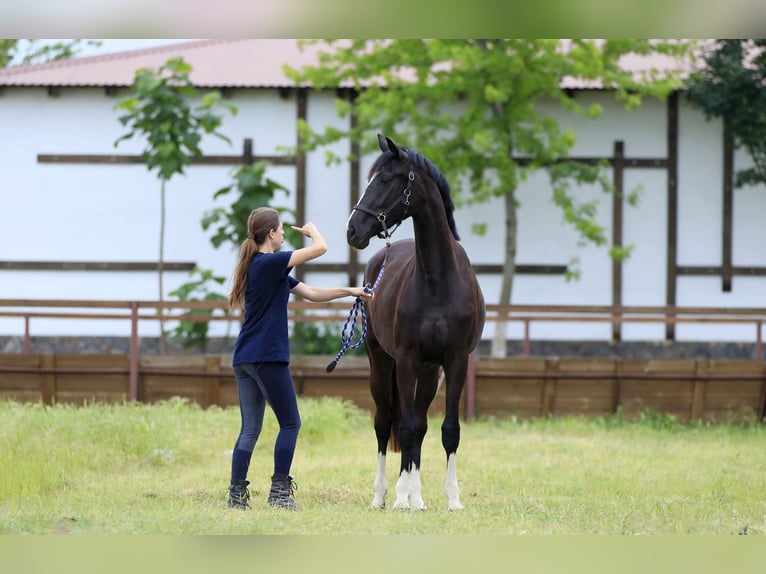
{"x":263,"y":337}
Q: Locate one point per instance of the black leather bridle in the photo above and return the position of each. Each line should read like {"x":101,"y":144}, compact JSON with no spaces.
{"x":382,"y":215}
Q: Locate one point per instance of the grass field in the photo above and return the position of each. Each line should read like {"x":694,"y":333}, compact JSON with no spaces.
{"x":164,"y":469}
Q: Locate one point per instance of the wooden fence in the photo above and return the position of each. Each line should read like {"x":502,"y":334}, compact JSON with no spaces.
{"x":525,"y":386}
{"x":707,"y":390}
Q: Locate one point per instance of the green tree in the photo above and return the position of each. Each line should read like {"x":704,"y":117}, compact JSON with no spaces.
{"x":474,"y":106}
{"x":159,"y":109}
{"x":732,"y":87}
{"x":14,"y":51}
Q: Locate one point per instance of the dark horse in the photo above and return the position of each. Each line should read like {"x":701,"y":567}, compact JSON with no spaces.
{"x":427,"y":314}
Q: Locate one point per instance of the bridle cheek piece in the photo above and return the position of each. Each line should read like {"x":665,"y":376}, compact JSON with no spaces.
{"x":381,"y":215}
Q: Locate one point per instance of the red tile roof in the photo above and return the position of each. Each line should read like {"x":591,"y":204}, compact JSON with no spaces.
{"x":221,"y":63}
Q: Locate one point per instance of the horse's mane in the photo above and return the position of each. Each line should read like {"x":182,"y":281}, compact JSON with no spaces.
{"x":418,"y":160}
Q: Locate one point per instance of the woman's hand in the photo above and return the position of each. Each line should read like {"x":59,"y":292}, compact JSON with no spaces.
{"x":309,"y":229}
{"x":361,"y":293}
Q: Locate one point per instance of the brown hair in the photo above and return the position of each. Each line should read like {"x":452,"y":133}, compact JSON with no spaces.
{"x":260,"y":222}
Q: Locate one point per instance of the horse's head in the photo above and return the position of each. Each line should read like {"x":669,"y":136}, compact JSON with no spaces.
{"x":386,"y":201}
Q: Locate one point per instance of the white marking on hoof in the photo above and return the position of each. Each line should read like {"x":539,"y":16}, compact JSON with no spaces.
{"x":409,"y":492}
{"x":416,"y":491}
{"x":380,"y":486}
{"x":451,"y":488}
{"x":403,"y":492}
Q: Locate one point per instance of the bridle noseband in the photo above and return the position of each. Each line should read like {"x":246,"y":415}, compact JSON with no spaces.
{"x":381,"y":215}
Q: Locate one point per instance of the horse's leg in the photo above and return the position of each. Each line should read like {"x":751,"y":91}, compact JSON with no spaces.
{"x":408,"y":433}
{"x":412,"y":431}
{"x":381,"y":382}
{"x":425,"y":391}
{"x":454,"y":371}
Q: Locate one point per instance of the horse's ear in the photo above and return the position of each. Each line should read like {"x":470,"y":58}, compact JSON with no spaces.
{"x":383,"y":143}
{"x":392,"y":147}
{"x":387,"y":144}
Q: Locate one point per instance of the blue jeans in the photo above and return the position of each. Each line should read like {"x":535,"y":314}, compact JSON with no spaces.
{"x":258,"y":384}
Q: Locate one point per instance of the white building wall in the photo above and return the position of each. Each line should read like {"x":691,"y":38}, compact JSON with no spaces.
{"x":111,"y":213}
{"x":749,"y":232}
{"x":700,"y":230}
{"x":71,"y":212}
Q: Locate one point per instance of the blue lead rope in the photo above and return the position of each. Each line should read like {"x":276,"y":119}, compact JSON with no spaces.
{"x":352,"y":318}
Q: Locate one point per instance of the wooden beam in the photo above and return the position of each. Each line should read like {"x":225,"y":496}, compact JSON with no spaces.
{"x":672,"y":215}
{"x":301,"y":113}
{"x":96,"y":265}
{"x":728,"y":181}
{"x":521,"y":269}
{"x":617,"y":206}
{"x":720,"y":271}
{"x":119,"y":159}
{"x":246,"y":158}
{"x":635,"y":162}
{"x":354,"y":175}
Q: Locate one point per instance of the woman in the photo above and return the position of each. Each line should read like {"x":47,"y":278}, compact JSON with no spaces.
{"x":261,"y":287}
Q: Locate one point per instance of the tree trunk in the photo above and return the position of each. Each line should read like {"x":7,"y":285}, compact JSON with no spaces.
{"x":161,"y":268}
{"x":499,"y":341}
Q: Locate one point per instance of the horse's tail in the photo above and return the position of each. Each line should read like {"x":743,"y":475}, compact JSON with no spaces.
{"x":396,"y":414}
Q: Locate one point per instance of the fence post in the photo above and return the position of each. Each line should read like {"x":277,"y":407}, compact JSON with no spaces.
{"x":212,"y":384}
{"x":133,"y":350}
{"x":758,"y":340}
{"x":548,"y":397}
{"x":27,"y":339}
{"x":48,"y":379}
{"x":702,"y":369}
{"x":527,"y":346}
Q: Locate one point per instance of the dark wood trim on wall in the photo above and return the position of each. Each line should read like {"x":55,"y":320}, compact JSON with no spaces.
{"x":301,"y":111}
{"x":627,"y":162}
{"x":96,"y":265}
{"x":618,"y":166}
{"x":483,"y":269}
{"x":718,"y":271}
{"x":246,"y":158}
{"x":672,"y":221}
{"x":728,"y":200}
{"x":354,"y":175}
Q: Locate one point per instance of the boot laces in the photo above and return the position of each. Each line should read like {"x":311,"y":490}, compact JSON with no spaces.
{"x":292,"y":486}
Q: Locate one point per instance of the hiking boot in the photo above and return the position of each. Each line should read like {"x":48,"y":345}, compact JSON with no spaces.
{"x":282,"y":489}
{"x":239,"y":495}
